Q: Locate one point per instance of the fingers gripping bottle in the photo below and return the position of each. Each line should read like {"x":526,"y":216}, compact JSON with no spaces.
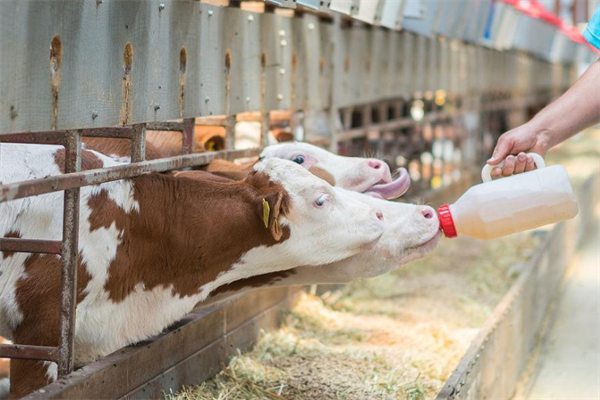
{"x":512,"y":204}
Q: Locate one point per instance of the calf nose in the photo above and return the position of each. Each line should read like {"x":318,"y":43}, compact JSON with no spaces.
{"x":375,"y":164}
{"x":427,"y":212}
{"x":379,"y":215}
{"x":381,"y":170}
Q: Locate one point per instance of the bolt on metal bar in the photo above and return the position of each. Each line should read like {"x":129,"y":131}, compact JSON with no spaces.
{"x":27,"y":352}
{"x":69,"y":255}
{"x":19,"y":190}
{"x":30,"y":246}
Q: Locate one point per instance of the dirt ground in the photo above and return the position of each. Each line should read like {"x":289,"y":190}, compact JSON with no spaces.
{"x":397,"y":336}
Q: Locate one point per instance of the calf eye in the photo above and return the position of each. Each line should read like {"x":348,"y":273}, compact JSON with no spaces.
{"x":298,"y":159}
{"x":320,"y":202}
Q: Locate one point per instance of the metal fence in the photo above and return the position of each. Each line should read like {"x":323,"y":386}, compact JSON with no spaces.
{"x":118,"y":68}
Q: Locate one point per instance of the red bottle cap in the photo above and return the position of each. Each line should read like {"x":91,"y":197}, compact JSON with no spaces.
{"x":446,"y":221}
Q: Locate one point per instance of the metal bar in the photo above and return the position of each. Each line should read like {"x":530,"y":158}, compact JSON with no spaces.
{"x":229,"y":125}
{"x":138,"y":143}
{"x":30,"y":246}
{"x":26,"y":352}
{"x":69,"y":254}
{"x":124,"y":132}
{"x":58,"y":137}
{"x":164,"y":126}
{"x":188,"y":142}
{"x":57,"y":183}
{"x":51,"y":137}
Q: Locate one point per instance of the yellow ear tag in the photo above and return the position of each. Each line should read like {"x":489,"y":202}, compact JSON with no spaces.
{"x":276,"y":227}
{"x":266,"y":213}
{"x":210,"y":146}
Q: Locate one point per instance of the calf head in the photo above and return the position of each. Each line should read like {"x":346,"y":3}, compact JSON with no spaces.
{"x":365,"y":175}
{"x":325,"y":221}
{"x":287,"y":217}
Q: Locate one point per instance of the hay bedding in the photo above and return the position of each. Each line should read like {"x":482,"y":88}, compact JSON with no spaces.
{"x":397,"y":336}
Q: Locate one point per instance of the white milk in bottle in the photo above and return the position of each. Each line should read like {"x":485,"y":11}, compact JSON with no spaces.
{"x":512,"y":204}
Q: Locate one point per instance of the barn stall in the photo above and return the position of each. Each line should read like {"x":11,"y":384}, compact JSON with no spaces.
{"x":429,"y":85}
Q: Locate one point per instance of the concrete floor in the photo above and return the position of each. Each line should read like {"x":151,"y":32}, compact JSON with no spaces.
{"x":569,"y":363}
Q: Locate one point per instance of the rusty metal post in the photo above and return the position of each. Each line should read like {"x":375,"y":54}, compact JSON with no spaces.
{"x":188,"y":140}
{"x":69,"y":253}
{"x":138,"y":143}
{"x":229,"y":125}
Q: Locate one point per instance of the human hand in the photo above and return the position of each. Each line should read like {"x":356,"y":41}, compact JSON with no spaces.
{"x":511,"y":148}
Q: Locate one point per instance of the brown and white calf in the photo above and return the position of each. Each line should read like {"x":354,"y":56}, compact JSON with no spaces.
{"x":152,"y":247}
{"x":411,"y":232}
{"x":364,"y":175}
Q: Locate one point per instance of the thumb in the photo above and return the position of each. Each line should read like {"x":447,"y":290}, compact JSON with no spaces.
{"x":502,"y":149}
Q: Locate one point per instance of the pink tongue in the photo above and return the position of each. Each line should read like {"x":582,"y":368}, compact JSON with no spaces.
{"x":393,"y":189}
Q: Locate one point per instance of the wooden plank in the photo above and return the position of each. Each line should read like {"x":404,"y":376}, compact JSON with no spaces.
{"x":391,"y":67}
{"x":118,"y":373}
{"x":343,"y":96}
{"x":313,"y":58}
{"x":299,"y":48}
{"x":187,"y":353}
{"x":278,"y":61}
{"x":208,"y":361}
{"x":245,"y":336}
{"x":23,"y":48}
{"x":374,"y":67}
{"x":408,"y":63}
{"x":421,"y":60}
{"x":242,"y":44}
{"x":357,"y":82}
{"x":193,"y":370}
{"x":239,"y":312}
{"x":327,"y":49}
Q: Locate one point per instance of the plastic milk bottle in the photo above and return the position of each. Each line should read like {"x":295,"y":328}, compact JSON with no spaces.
{"x":512,"y":204}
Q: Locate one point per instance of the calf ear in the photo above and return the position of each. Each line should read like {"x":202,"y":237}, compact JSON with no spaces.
{"x":269,"y":210}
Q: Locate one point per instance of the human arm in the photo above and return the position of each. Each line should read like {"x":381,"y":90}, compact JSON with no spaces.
{"x":577,"y":109}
